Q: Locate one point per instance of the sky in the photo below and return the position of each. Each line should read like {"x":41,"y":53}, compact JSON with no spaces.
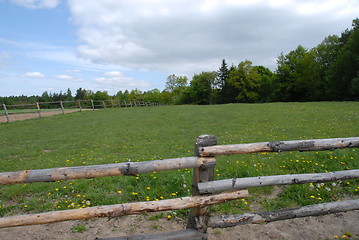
{"x":114,"y":45}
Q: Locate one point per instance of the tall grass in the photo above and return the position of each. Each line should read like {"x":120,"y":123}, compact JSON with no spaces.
{"x":141,"y":134}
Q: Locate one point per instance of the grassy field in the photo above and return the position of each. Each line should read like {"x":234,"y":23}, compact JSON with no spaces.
{"x":141,"y":134}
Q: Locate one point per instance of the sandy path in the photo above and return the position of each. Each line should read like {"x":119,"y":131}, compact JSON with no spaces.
{"x":19,"y":117}
{"x":310,"y":228}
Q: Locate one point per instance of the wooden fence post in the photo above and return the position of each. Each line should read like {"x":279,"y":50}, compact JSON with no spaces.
{"x":80,"y":105}
{"x":198,"y":217}
{"x":92,"y":105}
{"x":38,"y":108}
{"x":62,"y":107}
{"x":6,"y":113}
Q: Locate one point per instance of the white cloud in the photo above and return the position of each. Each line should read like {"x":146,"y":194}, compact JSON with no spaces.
{"x":69,"y":79}
{"x":34,"y":75}
{"x":115,"y":80}
{"x":37,"y":3}
{"x":64,"y":77}
{"x":191,"y":36}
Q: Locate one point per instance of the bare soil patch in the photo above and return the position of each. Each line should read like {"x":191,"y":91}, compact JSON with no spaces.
{"x":310,"y":228}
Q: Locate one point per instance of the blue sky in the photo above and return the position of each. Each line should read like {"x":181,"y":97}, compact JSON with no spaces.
{"x":111,"y":45}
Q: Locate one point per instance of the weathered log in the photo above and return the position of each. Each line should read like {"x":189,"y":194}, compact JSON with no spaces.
{"x":92,"y":171}
{"x":185,"y":234}
{"x":198,"y":217}
{"x":117,"y":210}
{"x":280,"y":146}
{"x":289,"y":179}
{"x":265,"y":217}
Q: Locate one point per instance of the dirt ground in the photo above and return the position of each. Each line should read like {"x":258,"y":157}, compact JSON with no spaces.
{"x":310,"y":228}
{"x":19,"y":117}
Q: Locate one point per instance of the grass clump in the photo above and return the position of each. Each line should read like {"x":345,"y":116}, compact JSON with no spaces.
{"x":79,"y":228}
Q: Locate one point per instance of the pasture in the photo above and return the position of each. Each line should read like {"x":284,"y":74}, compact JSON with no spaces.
{"x":140,"y":134}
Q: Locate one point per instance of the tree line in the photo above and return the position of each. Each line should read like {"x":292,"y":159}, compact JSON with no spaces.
{"x":327,"y":72}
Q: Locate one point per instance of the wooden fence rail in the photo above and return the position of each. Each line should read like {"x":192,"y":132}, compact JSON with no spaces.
{"x":93,"y":171}
{"x":281,"y":146}
{"x":38,"y":107}
{"x":118,"y":210}
{"x":289,"y":179}
{"x":205,"y":191}
{"x":265,"y":217}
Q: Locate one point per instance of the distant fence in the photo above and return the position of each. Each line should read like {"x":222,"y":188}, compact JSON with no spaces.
{"x":205,"y":191}
{"x":39,"y":109}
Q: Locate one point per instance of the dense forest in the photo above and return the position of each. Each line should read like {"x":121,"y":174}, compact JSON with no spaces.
{"x":327,"y":72}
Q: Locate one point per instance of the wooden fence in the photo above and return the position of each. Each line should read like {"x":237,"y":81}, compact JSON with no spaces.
{"x":205,"y":191}
{"x":40,"y":109}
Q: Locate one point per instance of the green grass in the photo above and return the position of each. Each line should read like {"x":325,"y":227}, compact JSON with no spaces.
{"x":149,"y":133}
{"x":78,"y":228}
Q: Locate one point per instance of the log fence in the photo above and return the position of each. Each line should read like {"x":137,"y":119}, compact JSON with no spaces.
{"x":62,"y":106}
{"x":205,"y":191}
